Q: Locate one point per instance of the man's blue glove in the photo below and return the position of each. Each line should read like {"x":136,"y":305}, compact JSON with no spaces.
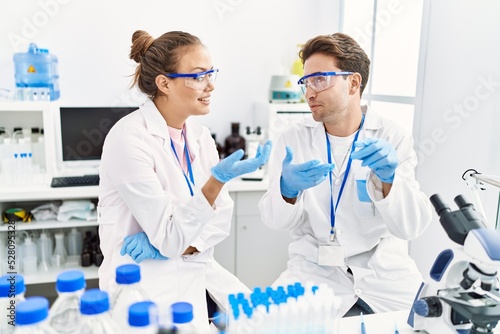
{"x":232,"y":166}
{"x":295,"y":178}
{"x":139,"y":248}
{"x":379,"y":155}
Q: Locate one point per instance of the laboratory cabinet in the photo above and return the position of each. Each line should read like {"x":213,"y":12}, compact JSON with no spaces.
{"x":30,"y":197}
{"x":253,"y":252}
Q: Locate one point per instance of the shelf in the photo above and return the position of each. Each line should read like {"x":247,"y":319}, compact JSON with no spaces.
{"x":51,"y":275}
{"x":50,"y":224}
{"x":45,"y":193}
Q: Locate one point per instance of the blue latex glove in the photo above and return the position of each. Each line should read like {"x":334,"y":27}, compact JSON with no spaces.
{"x":379,"y":155}
{"x":139,"y":248}
{"x":297,"y":177}
{"x":232,"y":166}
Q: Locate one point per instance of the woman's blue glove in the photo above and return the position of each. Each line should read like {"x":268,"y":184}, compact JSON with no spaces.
{"x":295,"y":178}
{"x":233,"y":166}
{"x":379,"y":155}
{"x":139,"y":248}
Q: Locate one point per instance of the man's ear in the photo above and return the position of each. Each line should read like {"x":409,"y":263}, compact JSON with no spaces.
{"x":355,"y":83}
{"x":162,"y":84}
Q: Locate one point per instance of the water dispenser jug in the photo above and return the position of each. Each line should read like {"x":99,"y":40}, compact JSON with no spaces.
{"x":37,"y":69}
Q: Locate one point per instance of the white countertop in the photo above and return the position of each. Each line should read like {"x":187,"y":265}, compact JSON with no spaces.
{"x":42,"y":192}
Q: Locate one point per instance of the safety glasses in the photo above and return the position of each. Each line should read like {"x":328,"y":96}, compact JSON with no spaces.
{"x":319,"y":81}
{"x":198,"y":81}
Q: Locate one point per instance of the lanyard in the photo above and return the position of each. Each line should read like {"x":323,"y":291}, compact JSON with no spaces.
{"x":188,"y":160}
{"x":333,"y":209}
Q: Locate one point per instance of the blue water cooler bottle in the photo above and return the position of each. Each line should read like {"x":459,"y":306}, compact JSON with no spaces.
{"x":37,"y":71}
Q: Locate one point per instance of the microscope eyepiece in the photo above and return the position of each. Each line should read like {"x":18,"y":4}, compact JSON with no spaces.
{"x":439,"y":205}
{"x":462,"y":202}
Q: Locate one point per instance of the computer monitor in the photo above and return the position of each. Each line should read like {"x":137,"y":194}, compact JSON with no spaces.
{"x":80,"y":133}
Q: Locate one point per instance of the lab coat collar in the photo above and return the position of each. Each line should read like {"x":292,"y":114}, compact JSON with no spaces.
{"x":156,"y":125}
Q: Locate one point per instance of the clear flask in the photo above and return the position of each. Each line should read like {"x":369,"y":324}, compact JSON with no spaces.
{"x":64,"y":315}
{"x":12,"y":290}
{"x":94,"y":307}
{"x":32,"y":316}
{"x":60,"y":255}
{"x":129,"y":291}
{"x":143,"y":318}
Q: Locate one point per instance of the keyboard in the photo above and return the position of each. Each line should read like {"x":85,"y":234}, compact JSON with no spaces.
{"x":75,"y":181}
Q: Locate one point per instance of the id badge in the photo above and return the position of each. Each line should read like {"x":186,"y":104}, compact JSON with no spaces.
{"x":331,"y":255}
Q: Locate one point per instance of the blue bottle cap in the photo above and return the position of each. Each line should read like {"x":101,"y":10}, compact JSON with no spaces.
{"x":128,"y":274}
{"x":139,"y":313}
{"x":9,"y":282}
{"x":70,"y":281}
{"x":182,"y":312}
{"x":32,"y":311}
{"x":94,"y":301}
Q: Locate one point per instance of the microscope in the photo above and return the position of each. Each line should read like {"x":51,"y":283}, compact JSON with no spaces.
{"x":463,"y":294}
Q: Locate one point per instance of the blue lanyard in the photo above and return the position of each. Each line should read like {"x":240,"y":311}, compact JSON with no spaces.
{"x":333,"y":209}
{"x":188,"y":160}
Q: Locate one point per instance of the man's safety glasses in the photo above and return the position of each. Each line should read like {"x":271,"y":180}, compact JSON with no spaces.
{"x":319,"y":81}
{"x":198,"y":81}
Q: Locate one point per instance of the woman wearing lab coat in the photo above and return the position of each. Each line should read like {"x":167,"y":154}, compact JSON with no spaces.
{"x":350,"y":214}
{"x":161,"y":182}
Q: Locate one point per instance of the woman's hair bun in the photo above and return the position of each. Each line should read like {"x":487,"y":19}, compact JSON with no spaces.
{"x":141,"y":41}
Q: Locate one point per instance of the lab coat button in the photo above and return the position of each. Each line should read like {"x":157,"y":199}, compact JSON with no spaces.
{"x":339,"y":232}
{"x":337,"y":182}
{"x":357,"y":292}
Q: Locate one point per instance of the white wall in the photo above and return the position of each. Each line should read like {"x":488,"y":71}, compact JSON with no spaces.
{"x":248,"y":41}
{"x":459,"y":117}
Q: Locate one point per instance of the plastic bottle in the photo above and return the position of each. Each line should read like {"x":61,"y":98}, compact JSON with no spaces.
{"x":39,"y":150}
{"x":60,"y":255}
{"x":32,"y":316}
{"x":234,"y":141}
{"x":45,"y":249}
{"x":64,"y":315}
{"x":129,"y":291}
{"x":29,"y":258}
{"x":74,"y":242}
{"x":142,"y":318}
{"x":182,"y":316}
{"x":7,"y":160}
{"x":96,"y":319}
{"x":12,"y":290}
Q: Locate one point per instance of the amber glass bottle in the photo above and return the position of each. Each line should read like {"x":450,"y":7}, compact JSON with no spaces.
{"x":234,"y":141}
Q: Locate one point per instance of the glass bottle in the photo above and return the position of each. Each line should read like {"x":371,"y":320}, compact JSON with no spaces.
{"x":96,"y":319}
{"x":32,"y":315}
{"x":129,"y":291}
{"x":142,"y":318}
{"x":7,"y":296}
{"x":182,"y":316}
{"x":220,"y":150}
{"x":234,"y":141}
{"x":65,"y":314}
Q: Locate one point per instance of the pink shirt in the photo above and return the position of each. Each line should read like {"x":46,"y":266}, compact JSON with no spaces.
{"x":178,"y":140}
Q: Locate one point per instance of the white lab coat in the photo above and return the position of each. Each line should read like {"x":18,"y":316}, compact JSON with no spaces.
{"x":142,"y":188}
{"x":375,"y":233}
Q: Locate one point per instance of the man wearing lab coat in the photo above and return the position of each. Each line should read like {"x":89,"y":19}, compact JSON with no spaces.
{"x":343,"y":183}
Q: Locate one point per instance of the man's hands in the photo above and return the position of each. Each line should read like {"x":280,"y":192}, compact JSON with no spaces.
{"x":379,"y":155}
{"x":297,"y":177}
